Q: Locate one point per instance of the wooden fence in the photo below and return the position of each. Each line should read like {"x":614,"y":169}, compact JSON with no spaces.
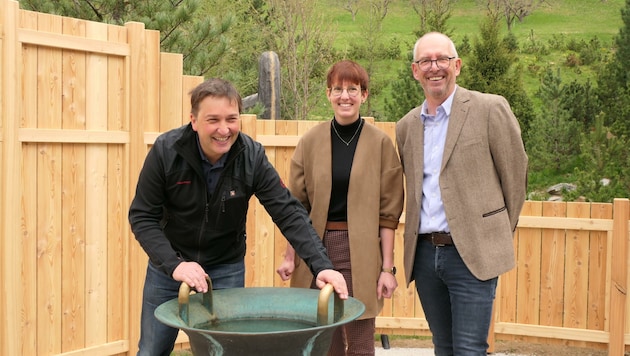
{"x":80,"y":105}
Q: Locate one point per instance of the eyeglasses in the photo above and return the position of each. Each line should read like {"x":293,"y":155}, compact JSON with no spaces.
{"x":426,"y":64}
{"x":352,"y":91}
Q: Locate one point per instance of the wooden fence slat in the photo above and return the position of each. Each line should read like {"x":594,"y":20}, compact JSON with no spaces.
{"x":28,"y":117}
{"x":11,"y":241}
{"x":117,"y":192}
{"x":137,"y":65}
{"x":56,"y":40}
{"x":171,"y":71}
{"x":577,"y":256}
{"x":73,"y":257}
{"x":49,"y":206}
{"x":72,"y":136}
{"x":283,"y":166}
{"x":528,"y":266}
{"x":619,"y":277}
{"x":96,"y":193}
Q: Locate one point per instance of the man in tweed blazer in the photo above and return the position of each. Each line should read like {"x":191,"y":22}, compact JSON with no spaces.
{"x":466,"y":173}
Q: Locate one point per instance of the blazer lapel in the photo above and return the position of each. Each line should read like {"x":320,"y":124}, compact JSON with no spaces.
{"x":459,"y":113}
{"x":417,"y":146}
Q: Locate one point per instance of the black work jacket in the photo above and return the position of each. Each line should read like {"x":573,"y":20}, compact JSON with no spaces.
{"x":175,"y":218}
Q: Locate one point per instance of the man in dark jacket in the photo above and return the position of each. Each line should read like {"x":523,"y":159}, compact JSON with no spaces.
{"x":190,"y":209}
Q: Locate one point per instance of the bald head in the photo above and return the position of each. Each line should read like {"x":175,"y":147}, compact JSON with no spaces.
{"x":434,"y":40}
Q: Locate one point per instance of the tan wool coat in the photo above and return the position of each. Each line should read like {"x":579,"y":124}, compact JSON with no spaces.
{"x":375,"y":198}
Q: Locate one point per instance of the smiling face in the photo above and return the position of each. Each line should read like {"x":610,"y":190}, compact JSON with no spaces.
{"x":346,"y":106}
{"x":217,"y":124}
{"x":347,"y":88}
{"x":437,"y":83}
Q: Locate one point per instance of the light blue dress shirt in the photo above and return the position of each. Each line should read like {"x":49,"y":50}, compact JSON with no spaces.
{"x":432,"y":215}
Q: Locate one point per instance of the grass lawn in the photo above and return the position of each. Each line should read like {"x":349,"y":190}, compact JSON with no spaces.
{"x":578,"y":20}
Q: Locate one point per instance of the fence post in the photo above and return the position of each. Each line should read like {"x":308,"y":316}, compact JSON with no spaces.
{"x":619,"y":274}
{"x":11,"y":334}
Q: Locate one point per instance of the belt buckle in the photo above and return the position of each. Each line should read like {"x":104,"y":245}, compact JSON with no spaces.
{"x":433,"y":241}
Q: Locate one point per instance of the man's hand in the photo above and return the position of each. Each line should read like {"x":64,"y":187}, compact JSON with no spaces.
{"x":192,"y":274}
{"x":387,"y":284}
{"x":286,"y":269}
{"x":336,"y":279}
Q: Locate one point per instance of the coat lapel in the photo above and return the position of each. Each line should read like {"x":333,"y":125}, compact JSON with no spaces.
{"x":459,"y":113}
{"x":417,"y":146}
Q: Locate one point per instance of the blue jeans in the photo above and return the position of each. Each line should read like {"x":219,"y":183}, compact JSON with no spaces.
{"x":158,"y":339}
{"x":458,"y":306}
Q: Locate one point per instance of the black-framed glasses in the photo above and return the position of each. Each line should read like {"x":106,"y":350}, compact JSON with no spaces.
{"x":426,"y":64}
{"x":352,"y":91}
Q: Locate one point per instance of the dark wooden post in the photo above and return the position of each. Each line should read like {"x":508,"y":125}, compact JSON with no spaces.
{"x":269,"y":84}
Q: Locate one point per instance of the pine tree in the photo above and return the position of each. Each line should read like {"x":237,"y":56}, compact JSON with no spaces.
{"x":605,"y":170}
{"x":183,"y":29}
{"x":490,"y":69}
{"x":406,"y":93}
{"x":614,"y":81}
{"x":551,"y":143}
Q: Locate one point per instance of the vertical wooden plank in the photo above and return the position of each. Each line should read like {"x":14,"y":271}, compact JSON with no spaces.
{"x":171,"y":71}
{"x":96,"y":193}
{"x":552,"y":269}
{"x":73,"y":198}
{"x":188,"y":83}
{"x":12,"y":340}
{"x":151,"y":47}
{"x":138,"y":113}
{"x":597,"y":270}
{"x":283,"y":166}
{"x":528,"y":272}
{"x":265,"y":228}
{"x":505,"y":300}
{"x":248,"y":126}
{"x":117,"y":192}
{"x":49,"y":207}
{"x":28,"y":305}
{"x":576,"y":273}
{"x":619,"y":276}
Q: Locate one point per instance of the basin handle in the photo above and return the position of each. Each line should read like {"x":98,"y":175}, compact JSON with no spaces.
{"x":322,"y":305}
{"x":184,"y":296}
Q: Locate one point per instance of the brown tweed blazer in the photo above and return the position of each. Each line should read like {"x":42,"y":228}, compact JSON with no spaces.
{"x":483,"y":180}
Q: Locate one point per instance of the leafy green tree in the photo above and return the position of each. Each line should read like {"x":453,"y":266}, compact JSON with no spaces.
{"x":406,"y":92}
{"x":304,"y":43}
{"x":247,"y":40}
{"x":513,"y":10}
{"x":605,"y":171}
{"x":581,"y":101}
{"x":490,"y":68}
{"x":614,"y":81}
{"x":551,"y":143}
{"x":372,"y":33}
{"x":200,"y":38}
{"x":433,"y":15}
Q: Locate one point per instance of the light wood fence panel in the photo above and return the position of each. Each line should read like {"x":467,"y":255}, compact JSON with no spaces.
{"x":81,"y":104}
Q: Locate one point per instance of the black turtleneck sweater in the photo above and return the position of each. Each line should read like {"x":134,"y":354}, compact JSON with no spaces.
{"x":342,"y":156}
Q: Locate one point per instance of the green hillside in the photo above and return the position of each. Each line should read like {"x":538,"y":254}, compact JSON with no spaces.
{"x":558,"y":21}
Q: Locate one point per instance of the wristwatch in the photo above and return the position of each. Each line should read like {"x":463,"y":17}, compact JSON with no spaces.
{"x":389,"y":270}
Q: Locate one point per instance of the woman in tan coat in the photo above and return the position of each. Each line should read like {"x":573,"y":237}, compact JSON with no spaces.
{"x":349,"y":177}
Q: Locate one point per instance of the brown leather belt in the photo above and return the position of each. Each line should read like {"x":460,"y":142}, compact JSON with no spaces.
{"x":439,"y":238}
{"x":336,"y":225}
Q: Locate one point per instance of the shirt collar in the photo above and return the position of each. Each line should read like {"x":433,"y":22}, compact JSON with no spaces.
{"x":446,"y":106}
